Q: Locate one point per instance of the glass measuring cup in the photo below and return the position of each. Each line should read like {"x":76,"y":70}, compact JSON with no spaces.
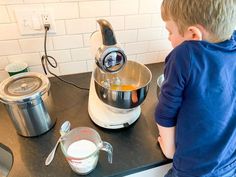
{"x":81,"y":148}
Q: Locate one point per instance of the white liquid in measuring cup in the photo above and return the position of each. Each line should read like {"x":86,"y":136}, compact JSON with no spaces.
{"x":81,"y":149}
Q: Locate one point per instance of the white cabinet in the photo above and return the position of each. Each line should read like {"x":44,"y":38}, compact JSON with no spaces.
{"x":153,"y":172}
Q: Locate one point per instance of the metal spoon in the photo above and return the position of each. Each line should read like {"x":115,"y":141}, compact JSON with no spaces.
{"x":65,"y":128}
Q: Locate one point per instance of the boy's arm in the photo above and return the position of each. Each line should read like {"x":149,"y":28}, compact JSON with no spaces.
{"x":166,"y":140}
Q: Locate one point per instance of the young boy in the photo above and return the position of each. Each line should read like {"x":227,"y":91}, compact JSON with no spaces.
{"x":196,"y":113}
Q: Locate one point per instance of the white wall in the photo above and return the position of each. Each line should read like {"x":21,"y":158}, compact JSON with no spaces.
{"x":137,"y":24}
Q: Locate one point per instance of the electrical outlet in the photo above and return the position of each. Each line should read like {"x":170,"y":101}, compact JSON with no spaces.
{"x":46,"y":18}
{"x":31,"y":22}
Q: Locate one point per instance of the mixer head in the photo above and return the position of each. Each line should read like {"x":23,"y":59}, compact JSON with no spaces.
{"x":109,"y":56}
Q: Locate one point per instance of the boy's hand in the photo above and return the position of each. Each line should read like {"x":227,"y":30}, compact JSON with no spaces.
{"x":160,"y":142}
{"x":166,"y":140}
{"x":159,"y":139}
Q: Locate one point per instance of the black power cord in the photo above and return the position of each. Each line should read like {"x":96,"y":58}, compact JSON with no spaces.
{"x":45,"y":60}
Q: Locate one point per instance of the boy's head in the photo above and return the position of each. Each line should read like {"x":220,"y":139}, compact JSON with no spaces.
{"x":215,"y":17}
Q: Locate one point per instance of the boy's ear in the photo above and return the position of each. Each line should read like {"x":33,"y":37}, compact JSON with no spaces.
{"x":194,"y":33}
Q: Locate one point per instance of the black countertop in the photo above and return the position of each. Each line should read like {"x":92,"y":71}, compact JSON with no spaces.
{"x":134,"y":148}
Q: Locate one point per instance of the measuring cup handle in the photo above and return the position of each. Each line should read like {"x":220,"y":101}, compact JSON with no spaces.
{"x":108,"y":148}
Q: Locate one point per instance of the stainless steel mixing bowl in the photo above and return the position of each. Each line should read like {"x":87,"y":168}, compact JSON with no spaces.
{"x":135,"y":77}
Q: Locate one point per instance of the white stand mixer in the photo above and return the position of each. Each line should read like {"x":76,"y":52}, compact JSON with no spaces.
{"x":108,"y":108}
{"x":107,"y":116}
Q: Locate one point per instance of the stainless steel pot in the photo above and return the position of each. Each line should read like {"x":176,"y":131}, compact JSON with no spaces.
{"x":29,"y":103}
{"x":126,"y":89}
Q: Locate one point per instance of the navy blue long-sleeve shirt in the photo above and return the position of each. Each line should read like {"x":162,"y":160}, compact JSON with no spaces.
{"x":198,"y":96}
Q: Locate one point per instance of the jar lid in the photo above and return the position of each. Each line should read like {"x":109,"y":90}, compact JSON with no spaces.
{"x":23,"y":87}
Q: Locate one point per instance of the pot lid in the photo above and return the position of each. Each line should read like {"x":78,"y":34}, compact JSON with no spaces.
{"x":23,"y":87}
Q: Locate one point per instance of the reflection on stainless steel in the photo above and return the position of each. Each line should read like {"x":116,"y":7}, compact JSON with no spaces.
{"x":160,"y":81}
{"x":32,"y":118}
{"x":109,"y":57}
{"x":6,"y":160}
{"x":29,"y":103}
{"x":134,"y":75}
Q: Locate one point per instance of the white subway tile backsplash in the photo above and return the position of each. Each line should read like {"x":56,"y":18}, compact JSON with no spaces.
{"x":35,"y":44}
{"x":142,"y":58}
{"x":122,"y":45}
{"x":4,"y":18}
{"x":3,"y":62}
{"x":117,"y":22}
{"x":137,"y":24}
{"x":150,"y":6}
{"x":147,"y":58}
{"x":136,"y":48}
{"x":149,"y":34}
{"x":159,"y":45}
{"x":73,"y":67}
{"x":5,"y":2}
{"x":126,"y":36}
{"x":64,"y":10}
{"x":9,"y":47}
{"x":124,"y":7}
{"x":31,"y":59}
{"x":153,"y":57}
{"x":86,"y":38}
{"x":61,"y":56}
{"x":72,"y":0}
{"x":9,"y":31}
{"x":91,"y":65}
{"x":162,"y":55}
{"x":78,"y":26}
{"x":13,"y":8}
{"x":157,"y":21}
{"x":60,"y":27}
{"x":94,"y":8}
{"x":81,"y":54}
{"x":39,"y":69}
{"x":132,"y":57}
{"x":3,"y":75}
{"x":138,"y":21}
{"x":40,"y":1}
{"x":165,"y":33}
{"x":67,"y":42}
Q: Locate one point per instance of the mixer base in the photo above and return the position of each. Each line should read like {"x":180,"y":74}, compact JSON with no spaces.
{"x":111,"y":120}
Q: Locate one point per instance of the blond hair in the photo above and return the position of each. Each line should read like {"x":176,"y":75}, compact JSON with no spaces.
{"x":218,"y":17}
